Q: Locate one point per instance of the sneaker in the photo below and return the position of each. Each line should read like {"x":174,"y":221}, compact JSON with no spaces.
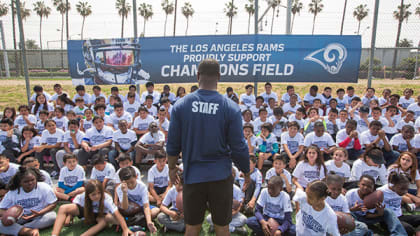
{"x":411,"y":207}
{"x":54,"y":174}
{"x":241,"y":231}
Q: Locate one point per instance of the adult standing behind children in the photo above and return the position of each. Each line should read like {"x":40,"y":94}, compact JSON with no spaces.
{"x":207,"y":129}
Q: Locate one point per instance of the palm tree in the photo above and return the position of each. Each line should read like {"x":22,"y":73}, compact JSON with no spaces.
{"x":188,"y":12}
{"x":168,"y":8}
{"x":84,"y":10}
{"x":24,"y":13}
{"x":4,"y":9}
{"x":273,"y":4}
{"x":401,"y":14}
{"x":123,"y":8}
{"x":251,"y":11}
{"x":315,"y":7}
{"x":418,"y":10}
{"x":62,"y":8}
{"x":296,"y":8}
{"x":344,"y":15}
{"x":146,"y":11}
{"x":231,"y":11}
{"x":41,"y":10}
{"x":360,"y":12}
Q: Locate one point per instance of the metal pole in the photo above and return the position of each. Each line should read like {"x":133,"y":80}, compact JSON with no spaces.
{"x":288,"y":16}
{"x":417,"y":57}
{"x":256,"y":33}
{"x":372,"y":43}
{"x":176,"y":8}
{"x":135,"y":18}
{"x":344,"y":15}
{"x":22,"y":45}
{"x":6,"y":59}
{"x":67,"y":20}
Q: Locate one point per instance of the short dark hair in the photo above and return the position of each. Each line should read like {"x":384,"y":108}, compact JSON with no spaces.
{"x":118,"y":105}
{"x":57,"y":85}
{"x":333,"y":110}
{"x":248,"y":125}
{"x":341,"y":90}
{"x":96,"y":87}
{"x":127,"y":173}
{"x":114,"y":89}
{"x":80,"y":88}
{"x":7,"y":121}
{"x":98,"y":159}
{"x":97,"y":118}
{"x":268,"y":126}
{"x":73,"y":122}
{"x":69,"y":156}
{"x":150,"y":84}
{"x":209,"y":67}
{"x":38,"y":88}
{"x":99,"y":106}
{"x":375,"y":123}
{"x":289,"y":87}
{"x":149,"y":97}
{"x":293,"y":124}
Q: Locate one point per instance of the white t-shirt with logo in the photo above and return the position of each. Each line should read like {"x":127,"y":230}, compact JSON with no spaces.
{"x":270,"y":140}
{"x":86,"y":98}
{"x":353,"y":197}
{"x":341,"y":136}
{"x":107,"y":173}
{"x":415,"y":108}
{"x":138,"y":195}
{"x":52,"y":139}
{"x":343,"y":171}
{"x":402,"y":123}
{"x":267,"y":96}
{"x":278,"y":128}
{"x":109,"y":206}
{"x":11,"y":171}
{"x":170,"y":198}
{"x":367,"y":138}
{"x":95,"y":137}
{"x":286,"y":97}
{"x":392,"y":200}
{"x":149,"y":138}
{"x":142,"y":124}
{"x":61,"y":123}
{"x":272,"y":172}
{"x":406,"y":102}
{"x":158,"y":178}
{"x":71,"y":177}
{"x":164,"y":124}
{"x":131,"y":108}
{"x":124,"y":140}
{"x":338,"y":204}
{"x":69,"y":140}
{"x":248,"y":100}
{"x":310,"y":99}
{"x":87,"y":124}
{"x":274,"y":207}
{"x":37,"y":199}
{"x":323,"y":142}
{"x":401,"y":143}
{"x":305,"y":173}
{"x":361,"y":168}
{"x":362,"y":126}
{"x":312,"y":222}
{"x":292,"y":143}
{"x":34,"y":142}
{"x":115,"y":119}
{"x":117,"y":176}
{"x":20,"y":122}
{"x":287,"y":107}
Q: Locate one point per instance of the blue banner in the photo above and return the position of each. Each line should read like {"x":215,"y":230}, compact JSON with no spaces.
{"x":243,"y":58}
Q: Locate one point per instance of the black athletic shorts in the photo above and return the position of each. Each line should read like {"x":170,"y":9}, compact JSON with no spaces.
{"x":216,"y":195}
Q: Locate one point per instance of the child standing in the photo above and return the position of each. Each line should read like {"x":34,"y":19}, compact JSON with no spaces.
{"x":310,"y":169}
{"x":272,"y":203}
{"x":314,"y":216}
{"x":70,"y":181}
{"x":37,"y":199}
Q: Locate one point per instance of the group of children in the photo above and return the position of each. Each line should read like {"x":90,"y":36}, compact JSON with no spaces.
{"x":326,"y":154}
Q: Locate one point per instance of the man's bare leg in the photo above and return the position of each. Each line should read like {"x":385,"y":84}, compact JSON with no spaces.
{"x":193,"y":230}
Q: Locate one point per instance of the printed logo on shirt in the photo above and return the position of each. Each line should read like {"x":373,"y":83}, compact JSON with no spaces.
{"x":143,"y":126}
{"x":6,"y":179}
{"x":160,"y":181}
{"x":273,"y":208}
{"x":51,"y":140}
{"x":124,"y":140}
{"x":131,"y":110}
{"x":28,"y":202}
{"x":100,"y":178}
{"x":87,"y":126}
{"x":402,"y":147}
{"x":361,"y":123}
{"x":321,"y":144}
{"x":21,"y":122}
{"x":246,"y":101}
{"x":3,"y":138}
{"x":311,"y":174}
{"x":70,"y":180}
{"x":205,"y":107}
{"x":98,"y":139}
{"x":373,"y":173}
{"x":337,"y":208}
{"x":59,"y":123}
{"x":135,"y":198}
{"x":311,"y":223}
{"x":394,"y":203}
{"x":293,"y":146}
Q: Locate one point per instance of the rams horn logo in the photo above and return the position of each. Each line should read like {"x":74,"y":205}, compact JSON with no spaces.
{"x":331,"y":57}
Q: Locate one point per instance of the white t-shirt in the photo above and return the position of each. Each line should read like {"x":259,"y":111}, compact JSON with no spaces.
{"x":301,"y":122}
{"x":305,"y":173}
{"x":341,"y":124}
{"x":170,"y":198}
{"x":310,"y":99}
{"x":274,"y":207}
{"x":37,"y":199}
{"x":142,"y":124}
{"x":95,"y":137}
{"x":3,"y":138}
{"x":155,"y":94}
{"x":93,"y":98}
{"x":52,"y":139}
{"x":341,"y":103}
{"x":47,"y":96}
{"x":312,"y":222}
{"x":286,"y":98}
{"x":34,"y":142}
{"x":123,"y":99}
{"x":292,"y":143}
{"x":255,"y":111}
{"x":158,"y":178}
{"x":393,"y":130}
{"x":87,"y":124}
{"x":248,"y":100}
{"x":402,"y":123}
{"x":40,"y":126}
{"x":107,"y":173}
{"x":86,"y":98}
{"x":341,"y":136}
{"x":406,"y":102}
{"x":270,"y":141}
{"x":20,"y":122}
{"x":138,"y":195}
{"x":408,"y":172}
{"x":361,"y":168}
{"x":237,"y":193}
{"x":417,"y":124}
{"x":152,"y":110}
{"x":362,"y":126}
{"x":278,"y":128}
{"x":131,"y":108}
{"x":272,"y":172}
{"x":383,"y":121}
{"x":71,"y":177}
{"x":392,"y":200}
{"x":267,"y":96}
{"x":69,"y":140}
{"x":50,"y":108}
{"x":257,"y":124}
{"x":61,"y":123}
{"x":399,"y":141}
{"x":109,"y":206}
{"x":11,"y":171}
{"x":367,"y":138}
{"x":115,"y":119}
{"x":164,"y":124}
{"x":338,"y":204}
{"x":366,"y":100}
{"x":149,"y":138}
{"x":322,"y":142}
{"x":348,"y":98}
{"x":124,"y":140}
{"x":415,"y":108}
{"x":47,"y":177}
{"x":287,"y":107}
{"x":117,"y":176}
{"x":343,"y":171}
{"x":352,"y":197}
{"x":79,"y":111}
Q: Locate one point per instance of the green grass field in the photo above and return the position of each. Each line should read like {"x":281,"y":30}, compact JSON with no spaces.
{"x":13,"y":91}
